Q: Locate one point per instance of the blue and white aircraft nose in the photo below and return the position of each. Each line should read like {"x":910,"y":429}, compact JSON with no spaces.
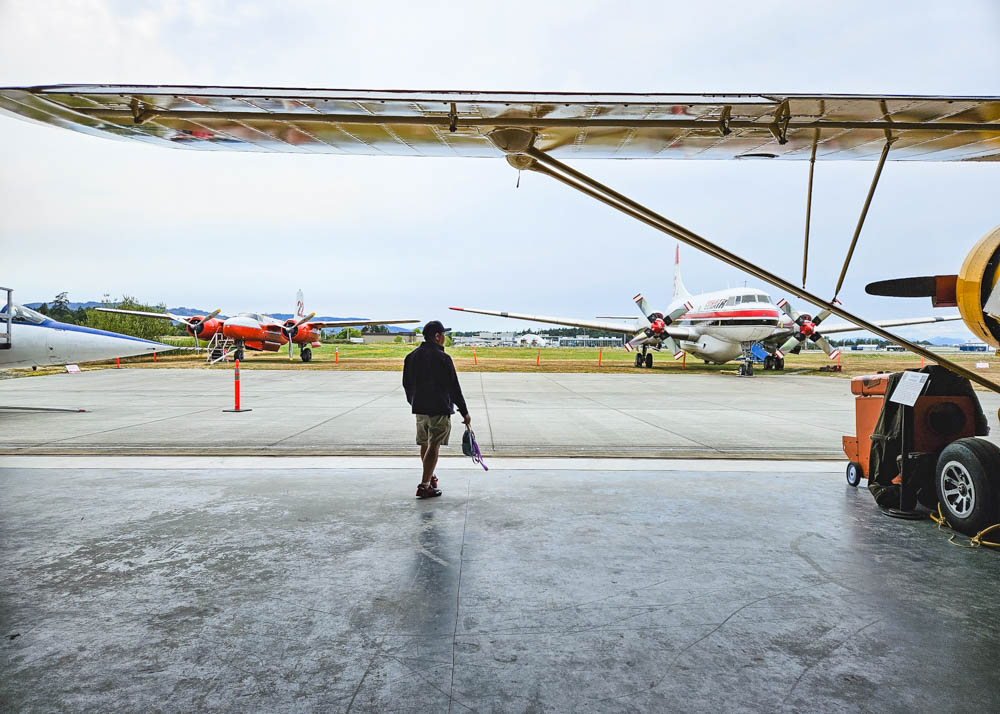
{"x":75,"y":343}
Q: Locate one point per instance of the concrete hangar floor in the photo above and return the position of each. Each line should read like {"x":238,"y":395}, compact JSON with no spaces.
{"x":738,"y":578}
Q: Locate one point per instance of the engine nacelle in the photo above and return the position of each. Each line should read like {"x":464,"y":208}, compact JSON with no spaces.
{"x":975,"y":284}
{"x":206,"y":329}
{"x":302,"y":334}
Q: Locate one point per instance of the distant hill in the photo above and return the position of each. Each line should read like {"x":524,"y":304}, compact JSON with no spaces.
{"x":190,"y":311}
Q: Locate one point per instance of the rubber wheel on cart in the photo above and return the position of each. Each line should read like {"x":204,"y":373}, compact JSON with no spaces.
{"x":854,"y":473}
{"x":967,"y":479}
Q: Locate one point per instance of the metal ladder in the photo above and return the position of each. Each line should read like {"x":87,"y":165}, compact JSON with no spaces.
{"x":219,"y":343}
{"x":5,"y":337}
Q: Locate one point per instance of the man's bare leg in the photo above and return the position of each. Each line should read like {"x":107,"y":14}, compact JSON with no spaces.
{"x":429,"y":455}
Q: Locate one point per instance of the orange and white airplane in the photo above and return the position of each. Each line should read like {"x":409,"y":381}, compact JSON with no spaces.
{"x":257,"y":332}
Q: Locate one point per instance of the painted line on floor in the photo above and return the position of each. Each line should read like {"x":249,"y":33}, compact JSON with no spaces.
{"x":449,"y":463}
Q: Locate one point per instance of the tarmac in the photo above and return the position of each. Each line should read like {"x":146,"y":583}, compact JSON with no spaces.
{"x":297,"y":412}
{"x":313,"y":580}
{"x":564,"y":585}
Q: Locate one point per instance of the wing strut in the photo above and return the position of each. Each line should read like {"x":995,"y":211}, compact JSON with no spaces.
{"x":809,"y":204}
{"x":864,"y":212}
{"x":522,"y":155}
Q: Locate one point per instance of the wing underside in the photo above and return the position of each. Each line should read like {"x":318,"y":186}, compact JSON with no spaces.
{"x":356,"y":323}
{"x":621,"y":328}
{"x":566,"y":125}
{"x":828,"y":329}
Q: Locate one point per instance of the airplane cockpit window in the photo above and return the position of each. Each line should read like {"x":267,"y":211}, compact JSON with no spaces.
{"x":749,"y":298}
{"x":737,"y":299}
{"x":764,"y":298}
{"x":252,"y":316}
{"x":20,"y":313}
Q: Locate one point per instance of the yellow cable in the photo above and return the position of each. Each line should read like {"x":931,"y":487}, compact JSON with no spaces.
{"x":975,"y":541}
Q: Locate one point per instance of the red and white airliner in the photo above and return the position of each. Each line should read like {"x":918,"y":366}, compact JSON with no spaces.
{"x":257,"y":332}
{"x":718,"y":326}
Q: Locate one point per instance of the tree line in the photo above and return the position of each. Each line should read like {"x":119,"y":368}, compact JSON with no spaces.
{"x":148,"y":328}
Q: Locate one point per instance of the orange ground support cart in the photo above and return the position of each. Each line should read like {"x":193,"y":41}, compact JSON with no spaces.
{"x":937,"y":421}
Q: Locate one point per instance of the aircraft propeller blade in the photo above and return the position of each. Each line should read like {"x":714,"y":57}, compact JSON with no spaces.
{"x":824,"y":344}
{"x":793,"y":346}
{"x":291,"y":330}
{"x":636,"y":341}
{"x":195,"y":327}
{"x":806,"y":329}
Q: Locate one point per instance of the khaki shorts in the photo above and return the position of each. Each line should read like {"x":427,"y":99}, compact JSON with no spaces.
{"x":432,"y":430}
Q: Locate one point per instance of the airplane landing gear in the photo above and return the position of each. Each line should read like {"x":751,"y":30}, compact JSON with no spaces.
{"x":306,"y":354}
{"x":774,"y":362}
{"x":238,"y":354}
{"x":644,"y":359}
{"x":746,"y":366}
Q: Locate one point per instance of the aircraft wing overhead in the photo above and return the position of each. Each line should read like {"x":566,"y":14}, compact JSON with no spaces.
{"x":848,"y":327}
{"x":567,"y":125}
{"x":356,"y":323}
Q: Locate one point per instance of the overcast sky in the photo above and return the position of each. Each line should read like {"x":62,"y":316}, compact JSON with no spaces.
{"x":404,"y":237}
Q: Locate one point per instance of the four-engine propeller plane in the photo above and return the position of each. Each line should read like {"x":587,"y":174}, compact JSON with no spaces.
{"x":718,"y":326}
{"x":261,"y":333}
{"x":534,"y":131}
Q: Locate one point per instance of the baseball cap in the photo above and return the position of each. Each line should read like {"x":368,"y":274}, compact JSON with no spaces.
{"x":433,"y":327}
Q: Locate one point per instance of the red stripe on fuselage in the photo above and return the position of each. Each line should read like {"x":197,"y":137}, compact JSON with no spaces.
{"x":723,"y":314}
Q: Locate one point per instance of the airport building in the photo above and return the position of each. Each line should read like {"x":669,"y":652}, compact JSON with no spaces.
{"x":586,"y":341}
{"x":373,"y":338}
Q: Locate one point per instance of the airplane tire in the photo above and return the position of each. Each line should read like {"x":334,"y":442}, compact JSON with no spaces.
{"x":238,"y":354}
{"x":967,"y":484}
{"x":741,"y":370}
{"x":854,"y":474}
{"x":779,"y":363}
{"x":749,"y":369}
{"x":768,"y":363}
{"x":307,"y":355}
{"x":649,"y":361}
{"x":638,"y":360}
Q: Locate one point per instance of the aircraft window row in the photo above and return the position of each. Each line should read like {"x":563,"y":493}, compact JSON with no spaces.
{"x":20,"y":313}
{"x":743,"y":299}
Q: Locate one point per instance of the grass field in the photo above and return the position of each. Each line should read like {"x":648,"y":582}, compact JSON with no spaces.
{"x":514,"y":359}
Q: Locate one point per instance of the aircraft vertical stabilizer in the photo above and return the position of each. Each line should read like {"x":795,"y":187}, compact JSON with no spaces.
{"x":679,"y":290}
{"x":300,"y":307}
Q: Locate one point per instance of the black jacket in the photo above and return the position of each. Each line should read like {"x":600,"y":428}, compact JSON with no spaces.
{"x":431,"y":383}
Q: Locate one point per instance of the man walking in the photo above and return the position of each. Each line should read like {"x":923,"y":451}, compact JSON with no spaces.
{"x":433,"y":392}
